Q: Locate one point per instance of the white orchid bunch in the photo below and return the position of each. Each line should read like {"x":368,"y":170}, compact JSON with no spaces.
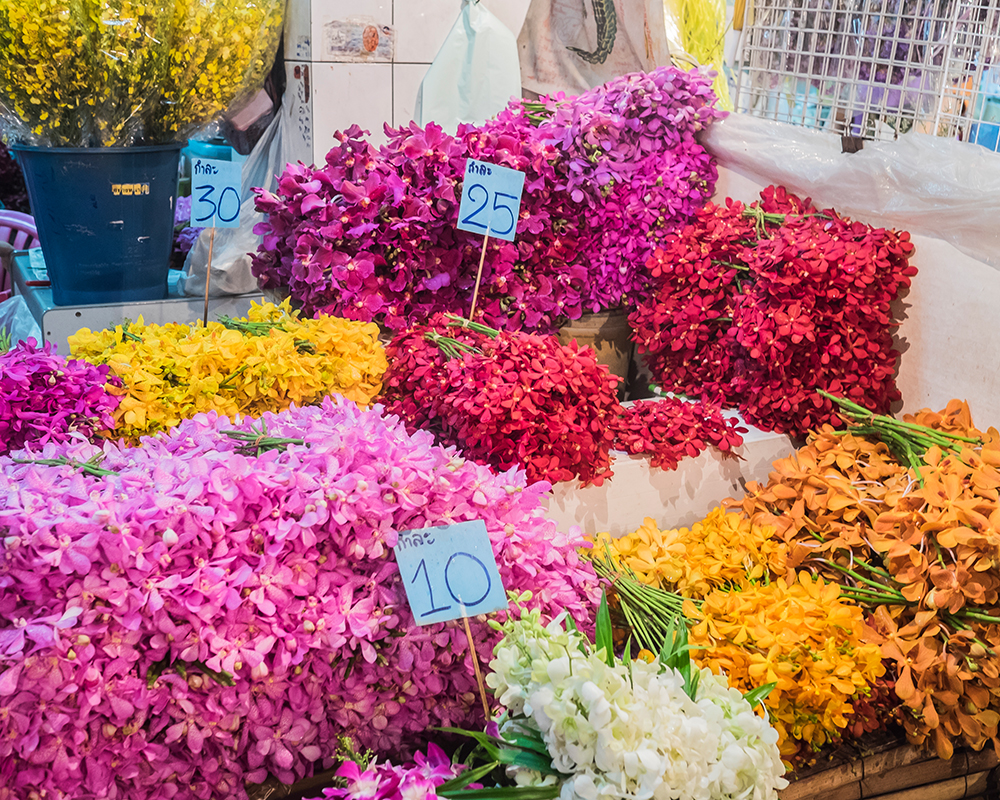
{"x":592,"y":727}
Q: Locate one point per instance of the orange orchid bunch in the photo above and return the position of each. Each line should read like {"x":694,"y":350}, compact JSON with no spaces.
{"x":748,"y":621}
{"x":918,"y":546}
{"x":802,"y":636}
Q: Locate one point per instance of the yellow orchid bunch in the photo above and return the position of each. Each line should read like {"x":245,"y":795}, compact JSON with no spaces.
{"x":752,"y":616}
{"x":800,"y":635}
{"x":264,"y":362}
{"x":720,"y":550}
{"x":44,"y":57}
{"x":221,"y":51}
{"x":113,"y":72}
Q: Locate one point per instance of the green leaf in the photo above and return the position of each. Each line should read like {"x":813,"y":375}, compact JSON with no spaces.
{"x":757,"y":696}
{"x":467,"y":777}
{"x":695,"y":680}
{"x":529,"y":759}
{"x":505,"y":793}
{"x":487,"y":742}
{"x":536,"y":745}
{"x":604,"y":636}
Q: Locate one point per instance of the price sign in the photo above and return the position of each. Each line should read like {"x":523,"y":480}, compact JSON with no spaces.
{"x":491,"y":200}
{"x":215,"y":193}
{"x":449,"y":572}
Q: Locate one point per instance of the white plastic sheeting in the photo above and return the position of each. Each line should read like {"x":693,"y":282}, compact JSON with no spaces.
{"x":927,"y":185}
{"x":475,"y":73}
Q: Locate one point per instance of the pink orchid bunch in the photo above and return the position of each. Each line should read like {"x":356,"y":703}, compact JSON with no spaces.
{"x":200,"y":612}
{"x":388,"y":781}
{"x":371,"y":234}
{"x":44,"y":397}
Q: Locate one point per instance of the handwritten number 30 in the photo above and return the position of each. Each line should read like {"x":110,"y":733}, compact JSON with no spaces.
{"x":470,"y":603}
{"x":497,"y":206}
{"x":217,"y":209}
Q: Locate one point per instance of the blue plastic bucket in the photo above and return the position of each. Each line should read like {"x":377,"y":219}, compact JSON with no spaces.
{"x":105,"y":219}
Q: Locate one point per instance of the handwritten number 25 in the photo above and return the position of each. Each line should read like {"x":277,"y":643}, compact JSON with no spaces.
{"x":498,"y":206}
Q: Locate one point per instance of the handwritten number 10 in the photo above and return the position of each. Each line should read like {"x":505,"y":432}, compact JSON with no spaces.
{"x":422,"y":567}
{"x":497,"y":206}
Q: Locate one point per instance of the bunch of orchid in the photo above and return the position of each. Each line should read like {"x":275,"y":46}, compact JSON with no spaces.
{"x":44,"y":397}
{"x":265,"y":361}
{"x":509,"y":397}
{"x":762,"y":306}
{"x":578,"y":723}
{"x":654,"y":727}
{"x":387,"y":781}
{"x":629,"y":153}
{"x":671,"y":429}
{"x":222,"y":603}
{"x":505,"y":397}
{"x":371,"y":234}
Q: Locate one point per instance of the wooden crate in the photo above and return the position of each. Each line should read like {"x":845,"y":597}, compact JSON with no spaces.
{"x":888,"y":769}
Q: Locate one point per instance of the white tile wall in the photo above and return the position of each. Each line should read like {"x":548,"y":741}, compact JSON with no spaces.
{"x":348,"y":94}
{"x":371,"y":94}
{"x":422,"y":26}
{"x":405,"y":83}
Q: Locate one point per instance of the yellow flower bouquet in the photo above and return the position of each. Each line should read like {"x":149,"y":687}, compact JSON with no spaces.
{"x":265,"y":362}
{"x":82,"y":73}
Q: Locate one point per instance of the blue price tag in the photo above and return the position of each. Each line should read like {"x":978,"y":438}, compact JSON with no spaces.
{"x":491,"y":200}
{"x":215,"y":193}
{"x":449,"y":572}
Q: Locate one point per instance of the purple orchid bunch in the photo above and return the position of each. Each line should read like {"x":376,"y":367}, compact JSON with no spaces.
{"x":388,"y":781}
{"x":371,"y":234}
{"x":199,"y":612}
{"x":185,"y":236}
{"x":630,"y":155}
{"x":44,"y":397}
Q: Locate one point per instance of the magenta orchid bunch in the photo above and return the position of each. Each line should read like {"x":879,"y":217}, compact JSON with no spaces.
{"x":222,"y":603}
{"x":44,"y":397}
{"x":371,"y":234}
{"x":388,"y":781}
{"x":629,"y":154}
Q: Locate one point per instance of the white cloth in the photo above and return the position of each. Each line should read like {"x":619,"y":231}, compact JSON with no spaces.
{"x":564,"y":44}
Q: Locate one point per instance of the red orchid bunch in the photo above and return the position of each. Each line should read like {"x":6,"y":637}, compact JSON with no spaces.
{"x":759,"y":306}
{"x":505,"y":398}
{"x":512,"y":398}
{"x":671,"y":429}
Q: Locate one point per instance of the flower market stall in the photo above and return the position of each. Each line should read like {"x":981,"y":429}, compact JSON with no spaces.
{"x":401,"y":536}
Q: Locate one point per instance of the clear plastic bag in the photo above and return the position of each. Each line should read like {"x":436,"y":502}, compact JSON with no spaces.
{"x":89,"y":73}
{"x":231,"y":252}
{"x":16,"y":320}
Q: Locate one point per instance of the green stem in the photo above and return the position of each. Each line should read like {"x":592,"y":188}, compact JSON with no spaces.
{"x":62,"y":461}
{"x":478,"y":327}
{"x":881,"y":587}
{"x":225,"y":384}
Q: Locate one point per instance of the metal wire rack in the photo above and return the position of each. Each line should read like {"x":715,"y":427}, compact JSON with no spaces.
{"x":874,"y":68}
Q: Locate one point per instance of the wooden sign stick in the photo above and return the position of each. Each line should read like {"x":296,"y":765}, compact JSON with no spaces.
{"x":475,"y":666}
{"x":479,"y":274}
{"x":208,"y":272}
